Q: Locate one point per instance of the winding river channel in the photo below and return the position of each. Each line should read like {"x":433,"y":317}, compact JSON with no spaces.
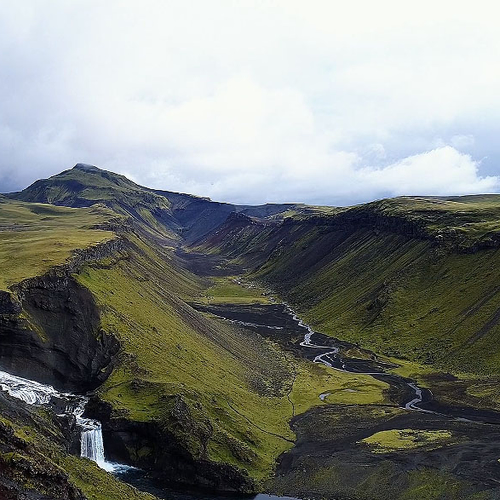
{"x":279,"y":323}
{"x":325,"y":350}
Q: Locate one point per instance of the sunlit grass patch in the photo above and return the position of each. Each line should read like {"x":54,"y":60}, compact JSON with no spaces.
{"x":230,"y":290}
{"x":338,"y":387}
{"x":35,"y":237}
{"x":406,"y":439}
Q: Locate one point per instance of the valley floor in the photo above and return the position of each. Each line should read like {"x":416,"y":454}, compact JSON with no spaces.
{"x":350,"y":447}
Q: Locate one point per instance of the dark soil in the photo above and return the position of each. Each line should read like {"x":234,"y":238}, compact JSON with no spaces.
{"x":328,"y":460}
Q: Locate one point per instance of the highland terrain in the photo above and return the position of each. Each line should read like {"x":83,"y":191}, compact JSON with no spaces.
{"x":179,"y":318}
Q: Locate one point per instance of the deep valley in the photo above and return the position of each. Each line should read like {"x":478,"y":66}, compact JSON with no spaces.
{"x":178,"y":318}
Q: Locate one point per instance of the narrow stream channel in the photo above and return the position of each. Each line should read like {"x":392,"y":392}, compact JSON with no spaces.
{"x":277,"y":321}
{"x":280,"y":323}
{"x":332,"y":359}
{"x":329,"y":352}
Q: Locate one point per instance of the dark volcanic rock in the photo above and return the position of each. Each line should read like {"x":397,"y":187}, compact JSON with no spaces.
{"x":56,"y":339}
{"x":50,"y":327}
{"x":9,"y":304}
{"x":154,"y":446}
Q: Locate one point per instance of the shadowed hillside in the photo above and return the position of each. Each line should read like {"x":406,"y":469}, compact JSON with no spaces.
{"x":119,"y":289}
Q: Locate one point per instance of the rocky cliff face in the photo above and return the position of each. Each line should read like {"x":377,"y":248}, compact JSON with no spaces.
{"x":55,"y":337}
{"x":49,"y":328}
{"x":162,"y":452}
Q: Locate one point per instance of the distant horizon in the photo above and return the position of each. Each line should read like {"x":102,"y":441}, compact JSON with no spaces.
{"x":424,"y":196}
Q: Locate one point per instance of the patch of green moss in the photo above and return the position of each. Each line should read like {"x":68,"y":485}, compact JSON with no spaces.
{"x":429,"y":484}
{"x":231,"y":290}
{"x":407,"y":439}
{"x":337,"y":387}
{"x":37,"y":237}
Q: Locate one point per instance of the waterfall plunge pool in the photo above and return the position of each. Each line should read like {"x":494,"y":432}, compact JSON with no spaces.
{"x":91,"y":442}
{"x":35,"y":393}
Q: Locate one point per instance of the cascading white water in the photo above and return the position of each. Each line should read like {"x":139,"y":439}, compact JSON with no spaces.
{"x":34,"y":393}
{"x":93,"y":446}
{"x":27,"y":390}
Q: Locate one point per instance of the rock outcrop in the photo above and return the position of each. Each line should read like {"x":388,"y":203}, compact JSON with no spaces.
{"x":50,"y":328}
{"x":164,"y":453}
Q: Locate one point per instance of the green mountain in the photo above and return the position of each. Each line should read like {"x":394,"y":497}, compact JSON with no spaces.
{"x":116,"y":290}
{"x":161,"y":212}
{"x":414,"y":278}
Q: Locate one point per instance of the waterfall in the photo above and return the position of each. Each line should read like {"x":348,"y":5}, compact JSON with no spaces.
{"x":34,"y":393}
{"x":93,"y":446}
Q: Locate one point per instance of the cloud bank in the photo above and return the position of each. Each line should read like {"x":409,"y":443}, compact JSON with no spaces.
{"x":254,"y":101}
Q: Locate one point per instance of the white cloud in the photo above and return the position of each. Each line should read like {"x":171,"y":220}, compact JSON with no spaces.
{"x":254,"y":101}
{"x":440,"y":171}
{"x":462,"y":141}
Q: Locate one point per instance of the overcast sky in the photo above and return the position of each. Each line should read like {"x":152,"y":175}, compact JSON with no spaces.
{"x":331,"y":102}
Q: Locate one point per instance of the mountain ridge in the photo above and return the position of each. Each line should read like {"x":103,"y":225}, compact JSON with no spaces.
{"x":412,"y":278}
{"x":84,"y":185}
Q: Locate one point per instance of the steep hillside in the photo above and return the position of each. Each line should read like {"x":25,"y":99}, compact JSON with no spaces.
{"x":199,"y":217}
{"x":414,"y":278}
{"x":120,"y":291}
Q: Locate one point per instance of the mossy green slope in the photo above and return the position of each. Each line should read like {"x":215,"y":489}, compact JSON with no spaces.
{"x":414,"y":278}
{"x":174,"y":350}
{"x":233,"y":382}
{"x":405,"y":298}
{"x":35,"y":237}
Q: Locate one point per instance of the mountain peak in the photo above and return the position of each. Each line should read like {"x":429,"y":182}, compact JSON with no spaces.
{"x":86,"y":167}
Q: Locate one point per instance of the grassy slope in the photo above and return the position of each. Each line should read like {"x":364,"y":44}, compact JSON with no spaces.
{"x":34,"y":237}
{"x":404,"y":299}
{"x":468,"y":218}
{"x":174,"y":350}
{"x":402,"y":296}
{"x":364,"y":275}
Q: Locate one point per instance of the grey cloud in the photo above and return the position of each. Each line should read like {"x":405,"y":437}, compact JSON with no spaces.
{"x":244,"y":104}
